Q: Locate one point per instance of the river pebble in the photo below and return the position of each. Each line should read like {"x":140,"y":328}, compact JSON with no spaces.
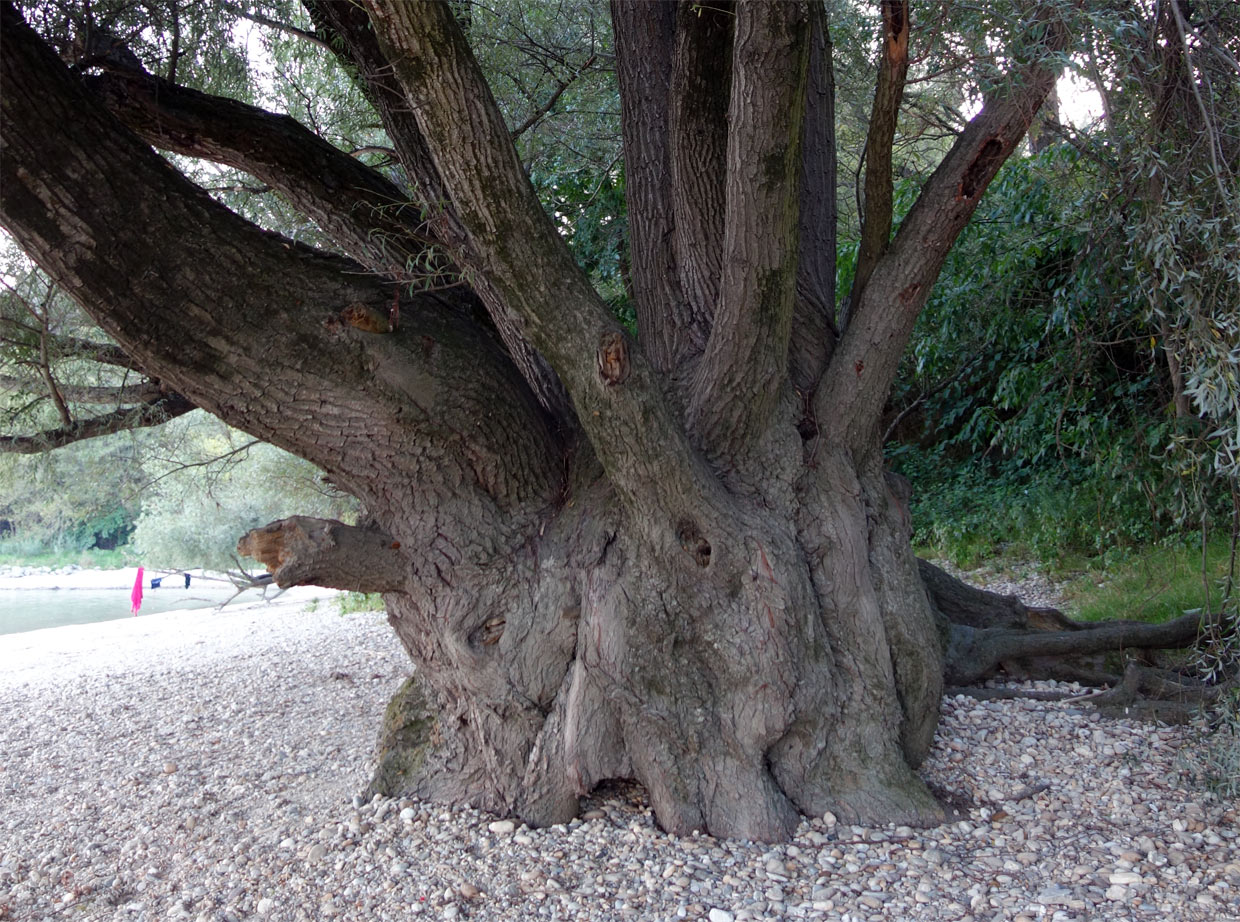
{"x":215,"y":782}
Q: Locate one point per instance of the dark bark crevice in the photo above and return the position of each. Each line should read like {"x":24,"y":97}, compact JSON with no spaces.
{"x":814,"y":330}
{"x":697,"y":135}
{"x":877,"y":219}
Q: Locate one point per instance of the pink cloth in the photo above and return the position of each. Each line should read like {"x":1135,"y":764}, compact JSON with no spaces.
{"x":136,"y":596}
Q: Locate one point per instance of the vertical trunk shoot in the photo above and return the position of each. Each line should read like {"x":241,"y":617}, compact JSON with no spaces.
{"x":892,"y":71}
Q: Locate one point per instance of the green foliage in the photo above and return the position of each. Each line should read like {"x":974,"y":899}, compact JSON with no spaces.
{"x":24,"y":552}
{"x":80,"y":497}
{"x":967,"y":511}
{"x":220,"y":486}
{"x":591,"y":212}
{"x":1034,"y":420}
{"x":353,"y":602}
{"x":1073,"y":390}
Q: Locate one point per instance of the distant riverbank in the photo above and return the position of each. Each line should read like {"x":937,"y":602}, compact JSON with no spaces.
{"x":34,"y":598}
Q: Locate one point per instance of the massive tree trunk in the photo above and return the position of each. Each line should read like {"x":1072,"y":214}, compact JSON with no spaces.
{"x":676,"y":557}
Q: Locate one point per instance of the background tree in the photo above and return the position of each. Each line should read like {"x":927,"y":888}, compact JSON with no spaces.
{"x":1096,"y":282}
{"x":673,"y":555}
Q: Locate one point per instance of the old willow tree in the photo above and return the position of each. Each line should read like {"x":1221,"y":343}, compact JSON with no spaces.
{"x":669,"y":554}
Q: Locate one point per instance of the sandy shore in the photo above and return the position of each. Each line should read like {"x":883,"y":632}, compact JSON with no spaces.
{"x":201,"y":766}
{"x":54,"y":656}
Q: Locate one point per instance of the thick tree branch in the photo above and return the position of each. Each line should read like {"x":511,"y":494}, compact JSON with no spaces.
{"x":975,"y":653}
{"x":144,"y":392}
{"x":348,"y":24}
{"x":892,"y":71}
{"x":743,"y":370}
{"x":980,"y":608}
{"x":857,"y":382}
{"x":645,"y":36}
{"x":304,"y":551}
{"x":985,"y":632}
{"x":155,"y":413}
{"x":365,"y":213}
{"x":515,"y":245}
{"x":265,"y":333}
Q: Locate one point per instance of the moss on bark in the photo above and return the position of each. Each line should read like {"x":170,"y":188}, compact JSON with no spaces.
{"x":408,"y":732}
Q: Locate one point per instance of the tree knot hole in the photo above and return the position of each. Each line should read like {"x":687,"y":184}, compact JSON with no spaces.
{"x":982,"y":167}
{"x":613,"y":358}
{"x":488,"y":633}
{"x":697,"y":547}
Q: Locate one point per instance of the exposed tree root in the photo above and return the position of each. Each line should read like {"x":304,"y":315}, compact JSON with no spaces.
{"x":987,"y":634}
{"x":1159,"y":694}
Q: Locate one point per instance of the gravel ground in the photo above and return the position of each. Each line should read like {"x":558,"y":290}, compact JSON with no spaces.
{"x":201,"y":766}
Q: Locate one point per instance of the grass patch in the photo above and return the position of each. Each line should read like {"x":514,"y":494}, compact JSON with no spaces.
{"x":1152,"y":584}
{"x":352,"y":602}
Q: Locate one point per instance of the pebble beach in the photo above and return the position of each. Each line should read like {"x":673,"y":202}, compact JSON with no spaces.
{"x":203,"y":766}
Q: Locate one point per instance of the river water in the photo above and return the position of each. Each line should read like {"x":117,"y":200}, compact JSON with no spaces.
{"x":32,"y":609}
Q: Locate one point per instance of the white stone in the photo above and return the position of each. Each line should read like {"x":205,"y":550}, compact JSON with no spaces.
{"x":264,"y":906}
{"x":502,"y":827}
{"x":1054,"y":894}
{"x":721,"y":915}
